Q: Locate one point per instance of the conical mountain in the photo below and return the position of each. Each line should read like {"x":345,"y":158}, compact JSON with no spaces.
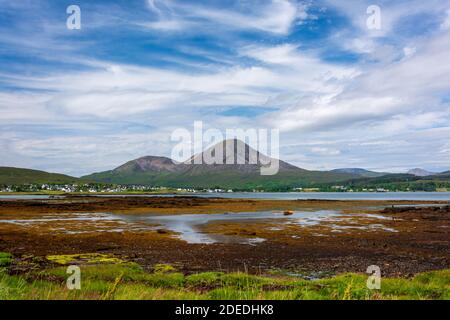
{"x":233,"y":155}
{"x":228,"y":164}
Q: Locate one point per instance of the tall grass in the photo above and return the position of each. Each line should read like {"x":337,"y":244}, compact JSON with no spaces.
{"x":130,"y":281}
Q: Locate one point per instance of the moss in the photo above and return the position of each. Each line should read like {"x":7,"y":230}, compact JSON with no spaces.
{"x":163,"y":268}
{"x":84,"y":258}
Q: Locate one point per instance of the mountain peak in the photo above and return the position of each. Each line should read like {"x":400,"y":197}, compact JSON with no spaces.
{"x":237,"y":153}
{"x":237,"y":165}
{"x":231,"y":154}
{"x":149,"y":163}
{"x":420,"y":172}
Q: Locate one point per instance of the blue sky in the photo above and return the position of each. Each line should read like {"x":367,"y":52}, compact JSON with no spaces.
{"x":79,"y":101}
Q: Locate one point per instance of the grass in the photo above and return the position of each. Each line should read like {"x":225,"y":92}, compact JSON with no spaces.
{"x":16,"y":176}
{"x":129,"y":281}
{"x":5,"y":259}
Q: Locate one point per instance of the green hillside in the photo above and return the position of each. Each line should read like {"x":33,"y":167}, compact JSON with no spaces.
{"x":16,"y":176}
{"x":398,"y":182}
{"x":235,"y":171}
{"x":284,"y":180}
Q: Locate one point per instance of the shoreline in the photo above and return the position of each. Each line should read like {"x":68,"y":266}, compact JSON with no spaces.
{"x":174,"y":192}
{"x":420,"y":242}
{"x":189,"y":204}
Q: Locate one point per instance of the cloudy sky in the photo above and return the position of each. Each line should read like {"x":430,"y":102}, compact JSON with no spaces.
{"x":342,"y":95}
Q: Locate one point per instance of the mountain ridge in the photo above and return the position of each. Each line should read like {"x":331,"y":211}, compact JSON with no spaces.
{"x":245,"y":171}
{"x":419,"y":172}
{"x":361,"y":172}
{"x":243,"y":174}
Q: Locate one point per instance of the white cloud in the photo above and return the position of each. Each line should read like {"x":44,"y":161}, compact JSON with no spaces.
{"x":409,"y":51}
{"x":168,"y":25}
{"x":275,"y":16}
{"x":391,"y":13}
{"x":325,"y":151}
{"x":385,"y":112}
{"x":314,"y":97}
{"x":446,"y":24}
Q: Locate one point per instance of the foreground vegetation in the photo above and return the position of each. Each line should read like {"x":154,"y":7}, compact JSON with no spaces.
{"x":105,"y":278}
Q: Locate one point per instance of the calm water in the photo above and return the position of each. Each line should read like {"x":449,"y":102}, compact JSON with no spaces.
{"x":190,"y":227}
{"x":334,"y":195}
{"x":431,"y":196}
{"x":27,"y":197}
{"x":187,"y":225}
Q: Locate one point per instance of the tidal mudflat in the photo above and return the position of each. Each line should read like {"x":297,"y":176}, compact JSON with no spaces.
{"x":208,"y":247}
{"x":214,"y":234}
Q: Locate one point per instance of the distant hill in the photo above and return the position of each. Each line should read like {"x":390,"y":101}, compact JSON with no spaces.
{"x":389,"y":178}
{"x":10,"y":175}
{"x":420,"y":172}
{"x":244,"y":173}
{"x":361,"y":172}
{"x":400,"y":182}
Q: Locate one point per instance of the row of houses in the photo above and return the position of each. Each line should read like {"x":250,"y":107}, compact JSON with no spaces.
{"x":100,"y":188}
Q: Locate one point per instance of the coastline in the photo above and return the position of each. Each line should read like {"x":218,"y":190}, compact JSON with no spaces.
{"x":418,"y":244}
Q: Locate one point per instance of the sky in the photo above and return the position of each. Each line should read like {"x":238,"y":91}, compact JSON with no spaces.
{"x":78,"y":101}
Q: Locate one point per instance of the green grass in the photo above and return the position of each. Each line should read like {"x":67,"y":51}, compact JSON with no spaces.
{"x":130,"y":281}
{"x":5,"y":259}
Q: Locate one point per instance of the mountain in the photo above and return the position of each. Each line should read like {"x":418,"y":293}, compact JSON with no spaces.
{"x":420,"y":172}
{"x":361,"y":172}
{"x":10,"y":175}
{"x":150,"y":163}
{"x":243,"y":173}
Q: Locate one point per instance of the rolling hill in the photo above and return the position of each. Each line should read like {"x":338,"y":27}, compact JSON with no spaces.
{"x":11,"y":175}
{"x":420,"y":172}
{"x":361,"y":172}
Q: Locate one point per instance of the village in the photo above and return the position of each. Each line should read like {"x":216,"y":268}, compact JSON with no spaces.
{"x":101,"y":188}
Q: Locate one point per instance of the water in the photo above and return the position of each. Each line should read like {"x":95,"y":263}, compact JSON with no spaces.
{"x":418,"y":196}
{"x":188,"y":225}
{"x":424,"y":196}
{"x":28,"y":197}
{"x":412,"y":196}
